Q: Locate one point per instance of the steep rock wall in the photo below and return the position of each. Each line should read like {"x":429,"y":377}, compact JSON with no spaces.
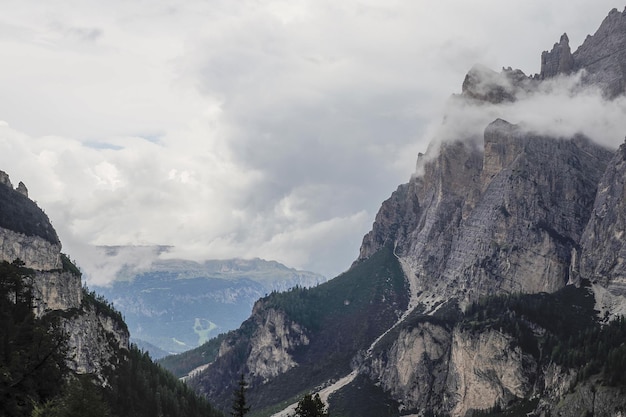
{"x":414,"y":369}
{"x":486,"y":370}
{"x":422,"y":217}
{"x":603,"y":244}
{"x":503,"y":219}
{"x":95,"y":340}
{"x":36,"y":252}
{"x":272,"y":343}
{"x":537,"y":195}
{"x":603,"y":55}
{"x":56,"y":290}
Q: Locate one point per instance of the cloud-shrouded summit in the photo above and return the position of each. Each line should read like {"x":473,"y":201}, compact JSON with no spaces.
{"x":268,"y":129}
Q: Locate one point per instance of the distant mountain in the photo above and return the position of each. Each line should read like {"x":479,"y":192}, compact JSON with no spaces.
{"x":493,"y":283}
{"x":177,"y":305}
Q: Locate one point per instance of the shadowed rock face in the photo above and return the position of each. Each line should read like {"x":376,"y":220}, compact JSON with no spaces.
{"x":603,"y":244}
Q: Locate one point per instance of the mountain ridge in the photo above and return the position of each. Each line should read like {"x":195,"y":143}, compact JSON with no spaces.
{"x":176,"y":305}
{"x":497,"y":215}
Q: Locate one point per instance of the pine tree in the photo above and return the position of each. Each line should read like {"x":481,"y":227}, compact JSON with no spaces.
{"x":311,"y":406}
{"x":240,"y":408}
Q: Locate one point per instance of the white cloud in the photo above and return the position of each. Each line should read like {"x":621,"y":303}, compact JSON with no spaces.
{"x":560,"y":107}
{"x":252,"y":128}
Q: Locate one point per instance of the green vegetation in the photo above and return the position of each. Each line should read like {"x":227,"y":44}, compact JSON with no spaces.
{"x":362,"y":303}
{"x":379,"y":278}
{"x":362,"y":398}
{"x":102,"y":307}
{"x":311,"y":406}
{"x":136,"y":388}
{"x":522,"y":408}
{"x":571,"y":336}
{"x":240,"y":407}
{"x":142,"y":389}
{"x":32,"y":350}
{"x":34,"y":378}
{"x":82,"y":397}
{"x":69,"y":266}
{"x":181,"y":364}
{"x":23,"y":216}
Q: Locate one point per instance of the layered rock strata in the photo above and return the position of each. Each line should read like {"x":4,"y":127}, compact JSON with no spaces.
{"x":27,"y":235}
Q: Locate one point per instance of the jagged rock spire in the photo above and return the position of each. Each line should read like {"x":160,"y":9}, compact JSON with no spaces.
{"x":559,"y":60}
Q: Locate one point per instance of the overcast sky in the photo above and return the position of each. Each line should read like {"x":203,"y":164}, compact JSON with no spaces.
{"x":246,"y":128}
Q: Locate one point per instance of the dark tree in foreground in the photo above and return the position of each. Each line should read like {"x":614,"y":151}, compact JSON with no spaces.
{"x":82,"y":398}
{"x":240,"y":408}
{"x":32,"y":349}
{"x":311,"y":406}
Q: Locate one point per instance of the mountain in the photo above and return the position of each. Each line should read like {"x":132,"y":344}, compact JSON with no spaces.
{"x":492,"y":283}
{"x":176,"y":305}
{"x":64,"y":350}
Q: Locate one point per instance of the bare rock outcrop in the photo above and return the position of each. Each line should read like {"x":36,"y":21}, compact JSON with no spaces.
{"x":273,"y":343}
{"x":21,"y":188}
{"x":36,"y":253}
{"x":414,"y":369}
{"x":603,"y":55}
{"x":56,"y":291}
{"x":95,"y":340}
{"x":499,"y":220}
{"x":484,"y":84}
{"x":487,"y":371}
{"x":603,"y":244}
{"x":558,"y":61}
{"x":5,"y":180}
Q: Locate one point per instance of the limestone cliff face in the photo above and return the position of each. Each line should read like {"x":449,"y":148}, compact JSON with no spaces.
{"x":421,"y":217}
{"x":536,"y":196}
{"x":603,"y":55}
{"x":520,"y":213}
{"x":452,"y":371}
{"x":56,"y":290}
{"x":27,"y":234}
{"x":603,"y":244}
{"x":487,"y":370}
{"x":272,"y":344}
{"x":262,"y":349}
{"x":414,"y":369}
{"x":94,"y":340}
{"x":500,"y":219}
{"x":36,"y":252}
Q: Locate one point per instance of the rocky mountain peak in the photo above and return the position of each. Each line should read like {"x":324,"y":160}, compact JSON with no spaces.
{"x":21,"y":188}
{"x":558,"y":61}
{"x":603,"y":55}
{"x":5,"y":180}
{"x":484,"y":84}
